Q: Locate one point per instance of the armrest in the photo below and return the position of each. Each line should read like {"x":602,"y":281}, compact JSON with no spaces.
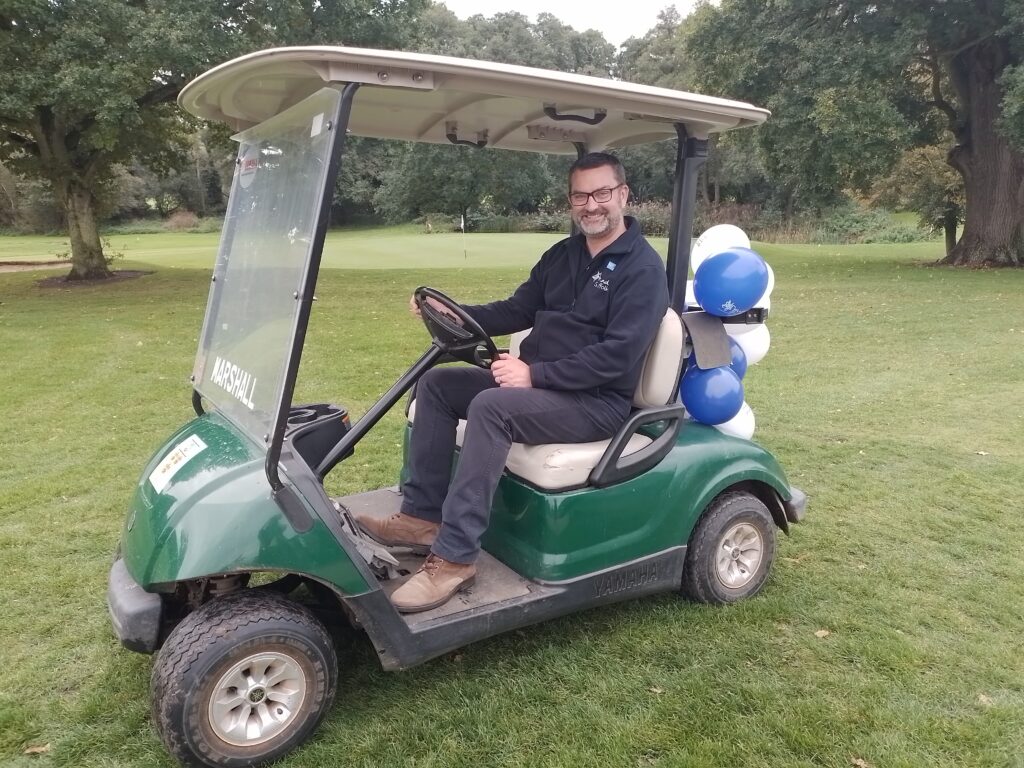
{"x":614,"y":467}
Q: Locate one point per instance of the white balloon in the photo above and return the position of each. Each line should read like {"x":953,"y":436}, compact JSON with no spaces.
{"x":741,"y":425}
{"x":770,"y":288}
{"x":754,"y":341}
{"x":738,"y":329}
{"x":691,"y":298}
{"x":715,"y":240}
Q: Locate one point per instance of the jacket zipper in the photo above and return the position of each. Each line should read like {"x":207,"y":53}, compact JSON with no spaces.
{"x":578,"y":287}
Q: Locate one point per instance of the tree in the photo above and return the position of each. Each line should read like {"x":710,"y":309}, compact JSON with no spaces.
{"x":925,"y":183}
{"x":660,"y":57}
{"x":458,"y":179}
{"x":438,"y":178}
{"x":85,"y":85}
{"x":663,"y":57}
{"x":835,"y":121}
{"x":363,"y":171}
{"x":865,"y":80}
{"x":972,"y":55}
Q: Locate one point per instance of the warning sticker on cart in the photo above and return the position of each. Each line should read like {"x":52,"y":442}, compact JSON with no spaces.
{"x":175,"y":460}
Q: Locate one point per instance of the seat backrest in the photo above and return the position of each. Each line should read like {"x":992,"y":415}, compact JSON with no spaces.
{"x":659,"y":379}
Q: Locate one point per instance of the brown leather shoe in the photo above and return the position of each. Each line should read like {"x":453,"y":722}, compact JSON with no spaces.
{"x":434,"y":584}
{"x":399,"y":530}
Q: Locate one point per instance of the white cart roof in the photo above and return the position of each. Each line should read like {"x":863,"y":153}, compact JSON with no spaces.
{"x":419,"y":97}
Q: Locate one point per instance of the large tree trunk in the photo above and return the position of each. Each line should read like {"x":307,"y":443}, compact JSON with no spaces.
{"x":992,"y":170}
{"x":79,"y":205}
{"x":949,"y":225}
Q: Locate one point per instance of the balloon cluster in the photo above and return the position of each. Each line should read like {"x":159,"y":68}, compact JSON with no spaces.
{"x":728,"y":279}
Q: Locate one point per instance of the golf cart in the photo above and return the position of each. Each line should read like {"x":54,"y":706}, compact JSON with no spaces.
{"x":233,"y":557}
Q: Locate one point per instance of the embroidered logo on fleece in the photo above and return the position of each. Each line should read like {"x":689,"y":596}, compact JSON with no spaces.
{"x":599,"y":282}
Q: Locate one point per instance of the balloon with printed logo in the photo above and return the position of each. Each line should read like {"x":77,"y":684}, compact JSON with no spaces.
{"x":731,"y":282}
{"x":711,"y":396}
{"x":754,"y":341}
{"x":741,"y":425}
{"x":718,"y":238}
{"x":738,"y":362}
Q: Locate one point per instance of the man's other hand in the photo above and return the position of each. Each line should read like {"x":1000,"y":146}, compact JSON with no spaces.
{"x":510,"y":371}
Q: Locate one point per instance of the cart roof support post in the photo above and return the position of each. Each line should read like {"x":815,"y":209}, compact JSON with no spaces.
{"x":691,"y":154}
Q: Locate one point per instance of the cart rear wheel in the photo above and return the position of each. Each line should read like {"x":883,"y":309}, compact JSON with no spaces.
{"x":243,"y":680}
{"x":731,"y":550}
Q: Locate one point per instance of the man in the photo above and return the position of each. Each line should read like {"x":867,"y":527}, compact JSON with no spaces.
{"x":595,"y":301}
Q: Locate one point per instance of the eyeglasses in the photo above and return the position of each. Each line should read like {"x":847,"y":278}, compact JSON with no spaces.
{"x":602,"y":195}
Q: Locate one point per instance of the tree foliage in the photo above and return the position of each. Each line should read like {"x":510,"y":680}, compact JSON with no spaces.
{"x":865,"y":81}
{"x":88,"y":84}
{"x":404,"y":180}
{"x":456,"y":179}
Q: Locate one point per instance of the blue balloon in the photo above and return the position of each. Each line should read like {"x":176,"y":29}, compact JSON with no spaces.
{"x":739,"y":358}
{"x":712,"y":396}
{"x":731,"y":282}
{"x":738,"y":363}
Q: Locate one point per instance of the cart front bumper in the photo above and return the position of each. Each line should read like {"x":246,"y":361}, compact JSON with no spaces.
{"x":134,"y":612}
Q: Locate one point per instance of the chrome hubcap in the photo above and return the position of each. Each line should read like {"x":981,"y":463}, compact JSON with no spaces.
{"x":739,"y":555}
{"x":257,"y":698}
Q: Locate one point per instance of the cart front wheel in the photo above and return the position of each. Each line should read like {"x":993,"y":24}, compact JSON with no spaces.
{"x":731,"y":550}
{"x":243,"y":680}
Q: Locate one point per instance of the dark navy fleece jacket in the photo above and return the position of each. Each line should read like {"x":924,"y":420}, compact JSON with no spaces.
{"x":592,"y":318}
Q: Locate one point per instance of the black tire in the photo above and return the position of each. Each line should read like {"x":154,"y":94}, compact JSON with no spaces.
{"x":242,"y":637}
{"x":721,"y":568}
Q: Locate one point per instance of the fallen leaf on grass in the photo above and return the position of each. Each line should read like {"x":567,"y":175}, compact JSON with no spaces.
{"x":656,"y":689}
{"x":822,"y":633}
{"x":38,"y":750}
{"x":860,"y":762}
{"x":986,"y":700}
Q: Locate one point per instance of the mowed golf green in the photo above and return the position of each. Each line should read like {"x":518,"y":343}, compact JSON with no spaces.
{"x":888,"y":635}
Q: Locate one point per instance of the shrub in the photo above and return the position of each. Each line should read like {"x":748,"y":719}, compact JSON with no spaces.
{"x":542,"y":221}
{"x":180,"y":221}
{"x":848,"y":224}
{"x":654,"y":218}
{"x":858,"y":225}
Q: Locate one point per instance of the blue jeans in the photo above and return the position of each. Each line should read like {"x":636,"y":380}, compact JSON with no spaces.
{"x":496,"y":418}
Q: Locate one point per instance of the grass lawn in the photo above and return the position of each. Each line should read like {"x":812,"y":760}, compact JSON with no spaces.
{"x":891,"y":395}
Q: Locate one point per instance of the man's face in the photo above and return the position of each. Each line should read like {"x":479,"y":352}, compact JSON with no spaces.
{"x":596,"y":219}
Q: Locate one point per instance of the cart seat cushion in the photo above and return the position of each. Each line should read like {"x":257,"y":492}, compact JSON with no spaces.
{"x":552,"y":466}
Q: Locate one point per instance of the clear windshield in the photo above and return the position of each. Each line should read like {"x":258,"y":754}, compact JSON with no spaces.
{"x":249,"y":330}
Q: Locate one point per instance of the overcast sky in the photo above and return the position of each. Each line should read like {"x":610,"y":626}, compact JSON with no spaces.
{"x":617,"y":21}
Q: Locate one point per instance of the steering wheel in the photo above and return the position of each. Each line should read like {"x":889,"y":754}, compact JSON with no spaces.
{"x":453,"y":330}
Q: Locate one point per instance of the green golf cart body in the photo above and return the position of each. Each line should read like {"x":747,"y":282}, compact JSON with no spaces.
{"x":233,"y":555}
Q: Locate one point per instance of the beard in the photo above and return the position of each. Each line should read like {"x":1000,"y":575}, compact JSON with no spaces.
{"x":600,"y":225}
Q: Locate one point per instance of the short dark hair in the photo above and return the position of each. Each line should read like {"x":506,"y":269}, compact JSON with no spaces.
{"x":599,"y":160}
